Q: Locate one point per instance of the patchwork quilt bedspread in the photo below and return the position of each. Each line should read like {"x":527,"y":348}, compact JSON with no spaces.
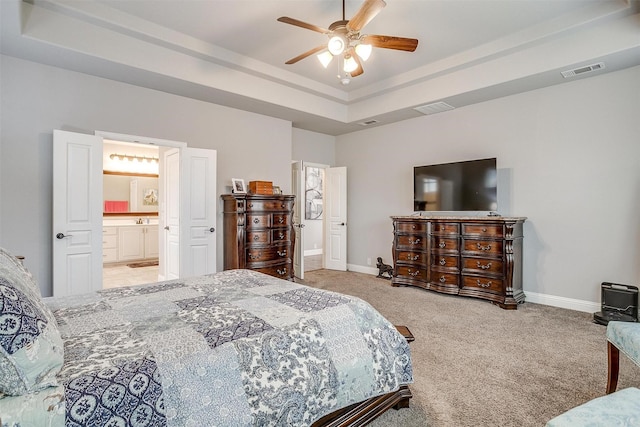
{"x":236,"y":348}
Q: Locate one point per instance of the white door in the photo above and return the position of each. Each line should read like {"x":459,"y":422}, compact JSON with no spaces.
{"x":335,"y":247}
{"x":297,"y":186}
{"x":198,"y":212}
{"x":171,"y":218}
{"x":77,"y":213}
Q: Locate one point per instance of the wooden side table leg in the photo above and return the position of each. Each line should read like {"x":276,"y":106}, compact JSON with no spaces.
{"x":613,"y":356}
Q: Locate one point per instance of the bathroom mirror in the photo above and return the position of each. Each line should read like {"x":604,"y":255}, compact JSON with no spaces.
{"x":126,"y":193}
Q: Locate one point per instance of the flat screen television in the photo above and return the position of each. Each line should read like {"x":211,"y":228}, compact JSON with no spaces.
{"x":459,"y":186}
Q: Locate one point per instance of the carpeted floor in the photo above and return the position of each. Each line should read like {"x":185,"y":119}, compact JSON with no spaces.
{"x":476,"y":364}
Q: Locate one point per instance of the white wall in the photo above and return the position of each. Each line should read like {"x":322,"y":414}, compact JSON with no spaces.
{"x":568,"y":159}
{"x":37,"y":99}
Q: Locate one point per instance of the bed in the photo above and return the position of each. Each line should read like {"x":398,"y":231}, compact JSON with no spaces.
{"x":235,"y":348}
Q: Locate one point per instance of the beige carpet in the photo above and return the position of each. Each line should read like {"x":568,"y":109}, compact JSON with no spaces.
{"x":476,"y":364}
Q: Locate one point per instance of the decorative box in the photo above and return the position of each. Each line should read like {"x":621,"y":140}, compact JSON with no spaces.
{"x":261,"y":187}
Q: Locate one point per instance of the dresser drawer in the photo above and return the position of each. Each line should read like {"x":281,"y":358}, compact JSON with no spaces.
{"x":268,"y":254}
{"x":444,"y":261}
{"x":482,"y":283}
{"x":280,"y":235}
{"x":444,"y":279}
{"x":444,"y":244}
{"x":109,"y":241}
{"x":411,"y":227}
{"x":411,"y":257}
{"x":445,"y":228}
{"x":257,"y":220}
{"x":280,"y":220}
{"x":257,"y":237}
{"x":411,"y":272}
{"x":482,"y":266}
{"x":483,"y":230}
{"x":269,"y":205}
{"x":482,"y":247}
{"x":284,"y":271}
{"x":412,"y":242}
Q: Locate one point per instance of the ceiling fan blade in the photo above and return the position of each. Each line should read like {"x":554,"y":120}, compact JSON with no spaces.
{"x":302,"y":24}
{"x":368,"y":11}
{"x":391,"y":42}
{"x":307,"y":53}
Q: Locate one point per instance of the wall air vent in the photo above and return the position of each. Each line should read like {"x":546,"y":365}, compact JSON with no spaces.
{"x":582,"y":70}
{"x":368,"y":122}
{"x":436,"y":107}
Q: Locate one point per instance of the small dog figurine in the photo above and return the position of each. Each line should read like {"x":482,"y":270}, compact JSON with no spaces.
{"x":384,"y":269}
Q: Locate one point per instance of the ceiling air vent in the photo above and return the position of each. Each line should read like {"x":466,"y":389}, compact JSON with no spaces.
{"x":436,"y":107}
{"x":582,"y":70}
{"x":368,"y":122}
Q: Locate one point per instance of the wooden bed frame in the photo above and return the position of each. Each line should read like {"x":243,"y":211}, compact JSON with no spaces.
{"x":361,"y":414}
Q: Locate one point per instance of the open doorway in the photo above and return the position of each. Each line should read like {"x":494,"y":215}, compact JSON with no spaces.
{"x":131,"y":200}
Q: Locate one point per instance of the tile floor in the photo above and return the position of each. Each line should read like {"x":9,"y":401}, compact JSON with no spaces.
{"x":115,"y":276}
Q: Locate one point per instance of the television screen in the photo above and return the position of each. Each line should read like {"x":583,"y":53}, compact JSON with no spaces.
{"x":460,"y":186}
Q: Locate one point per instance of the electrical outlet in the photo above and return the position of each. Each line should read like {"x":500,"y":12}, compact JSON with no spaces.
{"x":368,"y":261}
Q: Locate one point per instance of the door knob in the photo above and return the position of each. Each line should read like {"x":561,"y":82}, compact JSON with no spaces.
{"x":62,"y":236}
{"x":166,"y":227}
{"x":211,"y":230}
{"x":342,"y":223}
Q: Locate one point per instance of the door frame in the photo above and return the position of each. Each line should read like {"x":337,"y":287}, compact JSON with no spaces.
{"x":161,"y":143}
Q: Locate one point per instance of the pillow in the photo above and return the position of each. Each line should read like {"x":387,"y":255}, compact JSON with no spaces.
{"x":31,"y":349}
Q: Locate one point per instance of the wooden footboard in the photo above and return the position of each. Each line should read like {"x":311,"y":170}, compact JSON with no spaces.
{"x":361,"y":414}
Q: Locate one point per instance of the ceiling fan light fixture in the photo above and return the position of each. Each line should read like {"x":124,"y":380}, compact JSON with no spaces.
{"x":325,"y":58}
{"x":363,"y":51}
{"x":336,"y":45}
{"x":350,"y":64}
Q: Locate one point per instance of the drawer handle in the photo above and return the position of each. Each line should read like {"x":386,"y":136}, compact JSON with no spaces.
{"x":280,"y":220}
{"x":414,"y":242}
{"x":443,"y":279}
{"x":442,"y":245}
{"x":256,"y":221}
{"x":282,"y":206}
{"x":256,"y":238}
{"x":252,"y":256}
{"x":413,"y":226}
{"x":283,"y":253}
{"x":484,"y":230}
{"x":484,"y":266}
{"x":414,"y":274}
{"x":250,"y":205}
{"x":281,"y":236}
{"x":412,"y":258}
{"x":282,"y":272}
{"x":484,"y":248}
{"x":484,"y":285}
{"x":443,"y":261}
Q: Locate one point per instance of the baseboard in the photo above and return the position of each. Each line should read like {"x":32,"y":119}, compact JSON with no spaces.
{"x":533,"y":297}
{"x":309,"y":252}
{"x":562,"y":302}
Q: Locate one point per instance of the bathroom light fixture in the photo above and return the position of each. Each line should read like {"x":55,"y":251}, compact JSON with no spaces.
{"x":132,"y":158}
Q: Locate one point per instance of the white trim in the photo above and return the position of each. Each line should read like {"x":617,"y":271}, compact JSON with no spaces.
{"x":313,"y":252}
{"x":562,"y":302}
{"x":532,"y":297}
{"x":139,"y":139}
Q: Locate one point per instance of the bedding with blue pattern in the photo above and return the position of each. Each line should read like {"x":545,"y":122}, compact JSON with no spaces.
{"x":236,"y":348}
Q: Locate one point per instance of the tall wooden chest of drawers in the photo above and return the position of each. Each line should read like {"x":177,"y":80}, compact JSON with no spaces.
{"x":479,"y":257}
{"x":258,"y":233}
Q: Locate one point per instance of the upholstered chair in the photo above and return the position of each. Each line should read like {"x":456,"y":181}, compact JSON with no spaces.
{"x":621,"y":337}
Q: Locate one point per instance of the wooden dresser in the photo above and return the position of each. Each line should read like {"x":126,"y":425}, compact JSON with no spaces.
{"x":258,"y":233}
{"x":479,"y":257}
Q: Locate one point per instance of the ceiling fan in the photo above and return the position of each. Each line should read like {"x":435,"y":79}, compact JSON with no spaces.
{"x":345,"y":39}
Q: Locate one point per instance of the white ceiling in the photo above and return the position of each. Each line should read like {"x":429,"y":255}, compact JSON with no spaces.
{"x":233,"y":52}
